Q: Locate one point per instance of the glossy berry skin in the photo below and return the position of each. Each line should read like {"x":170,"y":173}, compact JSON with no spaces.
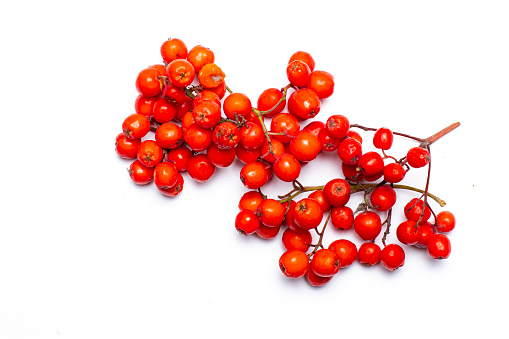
{"x":329,"y":144}
{"x":237,"y":104}
{"x":254,"y":175}
{"x":174,"y":190}
{"x":307,"y":214}
{"x":150,"y":153}
{"x":268,"y":99}
{"x":287,"y":124}
{"x":439,"y":246}
{"x":350,"y":151}
{"x":383,"y":138}
{"x":278,"y":149}
{"x":220,"y":157}
{"x":342,"y":218}
{"x":247,"y":156}
{"x":207,"y":114}
{"x":246,"y":222}
{"x":287,"y":168}
{"x":426,"y":231}
{"x":198,"y":138}
{"x":392,"y":257}
{"x":418,"y":157}
{"x":407,"y":233}
{"x":445,"y":221}
{"x":371,"y":163}
{"x":322,"y":83}
{"x":298,"y":73}
{"x":180,"y":72}
{"x":164,"y":111}
{"x":250,"y":201}
{"x":305,"y":146}
{"x":266,"y":232}
{"x":144,"y":105}
{"x":325,"y":263}
{"x":165,"y":175}
{"x":320,"y":198}
{"x":345,"y":250}
{"x":180,"y":157}
{"x":169,"y":135}
{"x":369,"y":254}
{"x":414,"y":209}
{"x":126,"y":148}
{"x":271,"y":212}
{"x":315,"y":127}
{"x":293,"y":240}
{"x":148,"y":83}
{"x":225,"y":135}
{"x":140,"y":174}
{"x":337,"y":192}
{"x":337,"y":126}
{"x":200,"y":56}
{"x":351,"y":172}
{"x":136,"y":126}
{"x":206,"y":95}
{"x":200,"y":168}
{"x":394,"y":173}
{"x":251,"y":136}
{"x":174,"y":94}
{"x":367,"y":225}
{"x":211,"y":76}
{"x":294,"y":263}
{"x":305,"y":57}
{"x":316,"y":280}
{"x":383,"y":198}
{"x":173,"y":49}
{"x":304,"y":104}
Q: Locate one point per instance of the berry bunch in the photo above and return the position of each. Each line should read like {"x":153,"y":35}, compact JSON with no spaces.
{"x":375,"y":174}
{"x":199,"y":124}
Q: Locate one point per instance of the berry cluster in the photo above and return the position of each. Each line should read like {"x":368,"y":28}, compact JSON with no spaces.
{"x":375,"y":174}
{"x":197,"y":127}
{"x":200,"y":124}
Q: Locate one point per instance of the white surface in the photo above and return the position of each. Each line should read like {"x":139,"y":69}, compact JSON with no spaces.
{"x":85,"y":253}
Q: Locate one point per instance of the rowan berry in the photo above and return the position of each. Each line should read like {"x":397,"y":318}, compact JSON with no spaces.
{"x":445,"y":221}
{"x":136,"y":126}
{"x":345,"y":250}
{"x":325,"y":263}
{"x":294,"y":263}
{"x":392,"y":257}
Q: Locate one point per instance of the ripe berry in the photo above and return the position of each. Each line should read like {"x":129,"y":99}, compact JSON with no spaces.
{"x":165,"y":175}
{"x":369,"y":254}
{"x":278,"y":149}
{"x":173,"y":49}
{"x":408,"y":233}
{"x":247,"y":156}
{"x":174,"y":190}
{"x":200,"y":56}
{"x":337,"y":192}
{"x":439,"y":246}
{"x":198,"y":138}
{"x":246,"y":222}
{"x":298,"y":73}
{"x":445,"y":221}
{"x":140,"y":174}
{"x":293,"y":240}
{"x":367,"y":225}
{"x":414,"y":211}
{"x":337,"y":126}
{"x":266,"y":232}
{"x":200,"y":168}
{"x":320,"y":198}
{"x":268,"y":99}
{"x":179,"y":156}
{"x":287,"y":168}
{"x":169,"y":135}
{"x":148,"y":83}
{"x":345,"y":250}
{"x":294,"y":263}
{"x":270,"y":212}
{"x":349,"y":151}
{"x":307,"y":214}
{"x":371,"y":164}
{"x":164,"y":111}
{"x":237,"y":104}
{"x":305,"y":146}
{"x":225,"y":135}
{"x":220,"y":157}
{"x":254,"y":175}
{"x":418,"y":157}
{"x":328,"y":143}
{"x":383,"y":138}
{"x":342,"y":217}
{"x":250,"y":201}
{"x":394,"y":173}
{"x":316,"y":280}
{"x":383,"y":198}
{"x":180,"y":72}
{"x":136,"y":126}
{"x":211,"y":77}
{"x":304,"y":104}
{"x":325,"y":263}
{"x":392,"y":257}
{"x":145,"y":105}
{"x":126,"y":148}
{"x":251,"y":136}
{"x":322,"y":83}
{"x":285,"y":124}
{"x":426,"y":231}
{"x":207,"y":114}
{"x":150,"y":153}
{"x":305,"y":57}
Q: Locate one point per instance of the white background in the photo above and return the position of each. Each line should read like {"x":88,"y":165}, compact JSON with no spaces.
{"x":85,"y":253}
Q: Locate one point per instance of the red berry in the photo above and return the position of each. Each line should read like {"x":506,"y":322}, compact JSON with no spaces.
{"x":414,"y":211}
{"x":304,"y":104}
{"x":320,"y":198}
{"x":254,"y":175}
{"x":337,"y":126}
{"x":307,"y":214}
{"x":200,"y":168}
{"x":298,"y":73}
{"x":371,"y":164}
{"x":349,"y":151}
{"x":126,"y":148}
{"x":394,"y":173}
{"x":287,"y":125}
{"x":220,"y":157}
{"x":271,"y":212}
{"x":369,"y":254}
{"x":287,"y":168}
{"x":383,"y":138}
{"x":294,"y":263}
{"x":165,"y":175}
{"x":226,"y":135}
{"x":304,"y":57}
{"x":246,"y":222}
{"x":316,"y":280}
{"x":418,"y":157}
{"x":293,"y":240}
{"x":322,"y":83}
{"x":439,"y":246}
{"x":342,"y":217}
{"x":392,"y":257}
{"x":174,"y":190}
{"x":445,"y":221}
{"x":179,"y":156}
{"x":250,"y":201}
{"x":150,"y":153}
{"x":140,"y":174}
{"x":164,"y":111}
{"x":337,"y":192}
{"x":268,"y":99}
{"x":136,"y":126}
{"x":345,"y":250}
{"x":383,"y":198}
{"x":367,"y":225}
{"x":305,"y":146}
{"x":169,"y":135}
{"x":325,"y":263}
{"x":408,"y":232}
